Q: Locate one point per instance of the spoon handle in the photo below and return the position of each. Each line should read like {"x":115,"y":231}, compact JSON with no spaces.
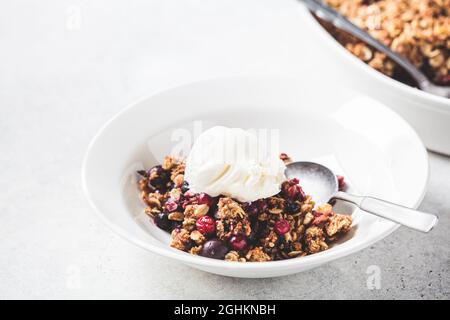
{"x":408,"y":217}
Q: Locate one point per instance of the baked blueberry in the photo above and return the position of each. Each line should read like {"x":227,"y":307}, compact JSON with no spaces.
{"x":163,"y":222}
{"x":215,"y":249}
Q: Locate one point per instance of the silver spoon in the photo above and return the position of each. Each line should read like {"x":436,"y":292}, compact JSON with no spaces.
{"x":322,"y":184}
{"x":326,"y":13}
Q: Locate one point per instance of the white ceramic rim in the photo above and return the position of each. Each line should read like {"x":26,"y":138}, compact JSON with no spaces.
{"x":310,"y":260}
{"x":333,"y":43}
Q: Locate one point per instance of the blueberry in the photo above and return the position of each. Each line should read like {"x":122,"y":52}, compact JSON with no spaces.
{"x":291,"y":207}
{"x":175,"y":224}
{"x":259,"y":230}
{"x":213,"y":209}
{"x":184,"y":187}
{"x":158,"y":178}
{"x":215,"y":249}
{"x":252,"y":238}
{"x":262,"y":230}
{"x":163,"y":222}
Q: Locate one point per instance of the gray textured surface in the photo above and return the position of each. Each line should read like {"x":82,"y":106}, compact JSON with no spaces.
{"x":58,"y":84}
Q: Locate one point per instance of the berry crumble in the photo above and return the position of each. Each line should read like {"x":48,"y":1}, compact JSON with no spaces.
{"x":283,"y":226}
{"x":419,"y":30}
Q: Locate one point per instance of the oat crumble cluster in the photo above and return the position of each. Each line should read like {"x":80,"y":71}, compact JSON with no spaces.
{"x":280,"y":227}
{"x":419,"y":30}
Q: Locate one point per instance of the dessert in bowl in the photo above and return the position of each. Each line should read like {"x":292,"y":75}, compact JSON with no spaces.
{"x":237,"y":206}
{"x":338,"y":130}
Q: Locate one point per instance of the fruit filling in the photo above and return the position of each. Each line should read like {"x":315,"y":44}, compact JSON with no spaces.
{"x":283,"y":226}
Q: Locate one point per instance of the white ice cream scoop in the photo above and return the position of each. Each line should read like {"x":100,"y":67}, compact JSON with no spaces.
{"x":233,"y":162}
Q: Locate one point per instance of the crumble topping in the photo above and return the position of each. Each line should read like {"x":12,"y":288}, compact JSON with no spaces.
{"x":230,"y":209}
{"x":338,"y":224}
{"x":284,"y":226}
{"x":180,"y":239}
{"x":315,"y":240}
{"x":257,"y":254}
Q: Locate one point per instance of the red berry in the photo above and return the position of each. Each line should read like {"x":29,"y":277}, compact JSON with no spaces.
{"x":292,"y":190}
{"x":295,"y":192}
{"x":171,"y":206}
{"x":238,"y":242}
{"x":203,"y":198}
{"x":205,"y":225}
{"x":282,"y":226}
{"x":341,"y":182}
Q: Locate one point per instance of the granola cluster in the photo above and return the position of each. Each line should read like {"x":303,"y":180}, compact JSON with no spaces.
{"x":419,"y":30}
{"x":284,"y":226}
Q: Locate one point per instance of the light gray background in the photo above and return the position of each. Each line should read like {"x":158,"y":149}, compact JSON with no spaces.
{"x":68,"y":66}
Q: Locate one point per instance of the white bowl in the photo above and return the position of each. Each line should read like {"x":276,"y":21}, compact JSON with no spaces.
{"x":338,"y":129}
{"x":428,"y":114}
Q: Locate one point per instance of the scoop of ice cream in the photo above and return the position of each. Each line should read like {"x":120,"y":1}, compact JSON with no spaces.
{"x":232,"y":162}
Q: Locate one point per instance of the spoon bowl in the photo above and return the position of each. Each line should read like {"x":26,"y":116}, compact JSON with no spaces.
{"x":321,"y":182}
{"x":315,"y":179}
